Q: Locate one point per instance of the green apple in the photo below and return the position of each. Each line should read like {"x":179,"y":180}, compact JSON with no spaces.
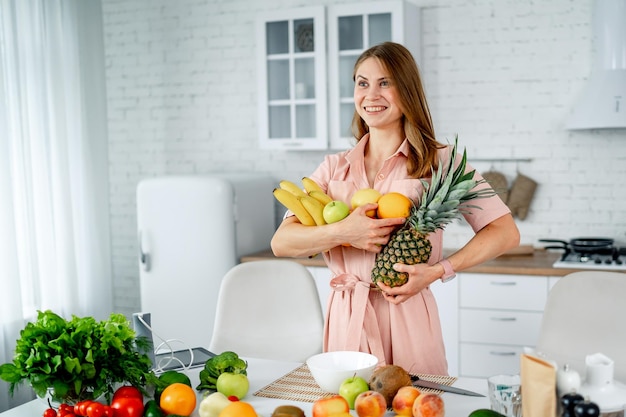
{"x":335,"y":211}
{"x":351,"y":388}
{"x":231,"y":384}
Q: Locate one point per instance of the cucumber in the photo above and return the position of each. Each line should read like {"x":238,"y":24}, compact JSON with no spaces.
{"x":484,"y":412}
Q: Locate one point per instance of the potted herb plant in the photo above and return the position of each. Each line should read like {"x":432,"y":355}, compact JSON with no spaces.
{"x":77,"y":359}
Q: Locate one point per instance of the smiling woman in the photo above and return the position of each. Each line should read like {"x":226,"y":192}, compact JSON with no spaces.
{"x":54,"y":233}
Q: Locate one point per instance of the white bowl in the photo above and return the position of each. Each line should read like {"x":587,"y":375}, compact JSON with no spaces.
{"x":330,"y":369}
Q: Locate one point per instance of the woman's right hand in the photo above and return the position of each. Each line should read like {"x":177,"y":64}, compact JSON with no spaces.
{"x":364,"y":232}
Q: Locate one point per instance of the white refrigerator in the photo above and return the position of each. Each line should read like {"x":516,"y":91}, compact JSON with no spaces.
{"x":191,"y":231}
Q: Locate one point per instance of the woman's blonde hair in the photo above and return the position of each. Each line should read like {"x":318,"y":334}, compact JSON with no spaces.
{"x":416,"y":121}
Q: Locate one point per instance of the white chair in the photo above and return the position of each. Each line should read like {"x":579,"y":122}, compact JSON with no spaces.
{"x":586,"y":314}
{"x":268,"y":309}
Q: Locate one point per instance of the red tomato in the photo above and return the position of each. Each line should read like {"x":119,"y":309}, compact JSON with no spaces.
{"x":108,"y":411}
{"x":127,"y":407}
{"x":128,"y":391}
{"x":80,"y":409}
{"x":50,"y":412}
{"x":95,"y":409}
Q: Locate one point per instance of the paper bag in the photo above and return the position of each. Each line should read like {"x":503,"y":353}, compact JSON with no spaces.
{"x":539,"y":398}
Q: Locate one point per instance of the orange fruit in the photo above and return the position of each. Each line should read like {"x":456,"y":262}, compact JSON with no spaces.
{"x":394,"y":204}
{"x":179,"y":399}
{"x":238,"y":409}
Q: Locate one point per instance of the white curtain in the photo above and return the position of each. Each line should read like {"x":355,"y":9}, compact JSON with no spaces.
{"x":55,"y":250}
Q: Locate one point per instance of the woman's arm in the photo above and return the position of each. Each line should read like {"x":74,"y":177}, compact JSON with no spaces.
{"x":491,"y":241}
{"x":293,"y":239}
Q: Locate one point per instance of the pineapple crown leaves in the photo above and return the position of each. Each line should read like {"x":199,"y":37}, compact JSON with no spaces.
{"x":447,"y":195}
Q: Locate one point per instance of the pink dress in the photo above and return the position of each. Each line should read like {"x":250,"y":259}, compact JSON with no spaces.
{"x":408,"y":334}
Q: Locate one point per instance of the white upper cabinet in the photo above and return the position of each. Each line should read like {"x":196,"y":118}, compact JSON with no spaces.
{"x":351,"y":30}
{"x":296,"y":102}
{"x":292,"y":79}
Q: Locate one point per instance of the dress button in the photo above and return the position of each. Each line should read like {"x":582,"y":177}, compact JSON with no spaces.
{"x":381,"y":176}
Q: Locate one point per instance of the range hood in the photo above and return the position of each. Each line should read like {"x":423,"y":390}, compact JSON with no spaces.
{"x":602,"y":104}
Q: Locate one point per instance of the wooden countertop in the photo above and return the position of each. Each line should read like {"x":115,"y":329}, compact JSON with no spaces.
{"x":536,"y":262}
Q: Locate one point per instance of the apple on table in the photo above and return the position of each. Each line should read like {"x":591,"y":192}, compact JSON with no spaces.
{"x":402,"y":403}
{"x":370,"y":404}
{"x":231,"y":384}
{"x":428,"y":404}
{"x":351,"y":388}
{"x":334,"y":405}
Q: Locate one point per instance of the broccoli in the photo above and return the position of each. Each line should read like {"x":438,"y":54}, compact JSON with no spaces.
{"x":217,"y":365}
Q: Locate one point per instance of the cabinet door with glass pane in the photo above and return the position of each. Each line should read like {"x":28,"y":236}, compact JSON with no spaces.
{"x":292,"y":79}
{"x":353,"y":28}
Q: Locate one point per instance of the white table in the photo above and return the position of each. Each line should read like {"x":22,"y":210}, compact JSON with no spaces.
{"x":262,"y":372}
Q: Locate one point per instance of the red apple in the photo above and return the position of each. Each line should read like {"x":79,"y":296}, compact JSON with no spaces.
{"x":403,"y":401}
{"x":365,"y":196}
{"x":370,"y":404}
{"x":428,"y":405}
{"x":330,"y":406}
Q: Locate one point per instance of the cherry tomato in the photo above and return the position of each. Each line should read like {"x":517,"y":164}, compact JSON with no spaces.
{"x":80,"y":409}
{"x":127,"y":407}
{"x":65,"y":412}
{"x":50,"y":412}
{"x":108,"y":411}
{"x":95,"y":409}
{"x":127,"y":391}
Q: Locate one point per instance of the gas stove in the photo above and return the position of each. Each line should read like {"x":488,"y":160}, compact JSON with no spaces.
{"x":610,"y":260}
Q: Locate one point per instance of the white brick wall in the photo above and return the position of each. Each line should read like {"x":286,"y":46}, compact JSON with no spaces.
{"x":503,"y":74}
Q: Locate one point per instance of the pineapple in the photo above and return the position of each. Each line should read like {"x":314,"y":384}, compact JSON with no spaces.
{"x":443,"y":200}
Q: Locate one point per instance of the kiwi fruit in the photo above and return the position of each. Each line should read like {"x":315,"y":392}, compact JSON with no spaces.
{"x":388,"y":379}
{"x":288,"y":411}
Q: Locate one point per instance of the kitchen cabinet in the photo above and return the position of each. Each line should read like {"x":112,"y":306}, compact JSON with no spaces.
{"x":499,"y":315}
{"x":351,"y":30}
{"x":294,"y":65}
{"x":292,"y":79}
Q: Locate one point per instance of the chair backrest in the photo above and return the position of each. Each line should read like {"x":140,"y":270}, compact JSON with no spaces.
{"x":586,"y":314}
{"x":268,"y":309}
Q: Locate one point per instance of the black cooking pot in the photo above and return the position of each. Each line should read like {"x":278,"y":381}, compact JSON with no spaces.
{"x":582,"y":244}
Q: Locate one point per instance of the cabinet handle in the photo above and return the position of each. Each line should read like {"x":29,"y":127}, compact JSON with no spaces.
{"x":504,"y":318}
{"x":502,"y":353}
{"x":508,"y":283}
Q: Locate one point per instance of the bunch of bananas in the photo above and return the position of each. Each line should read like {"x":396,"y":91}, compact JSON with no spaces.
{"x":308,"y":204}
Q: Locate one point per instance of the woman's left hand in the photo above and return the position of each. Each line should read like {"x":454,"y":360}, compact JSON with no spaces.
{"x":420,"y":277}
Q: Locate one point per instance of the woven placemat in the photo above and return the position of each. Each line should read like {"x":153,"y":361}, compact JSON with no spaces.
{"x":299,"y":385}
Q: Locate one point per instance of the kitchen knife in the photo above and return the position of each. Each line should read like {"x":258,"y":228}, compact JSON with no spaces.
{"x":433,"y":385}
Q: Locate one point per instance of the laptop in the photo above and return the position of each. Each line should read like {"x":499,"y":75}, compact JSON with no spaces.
{"x":166,"y":360}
